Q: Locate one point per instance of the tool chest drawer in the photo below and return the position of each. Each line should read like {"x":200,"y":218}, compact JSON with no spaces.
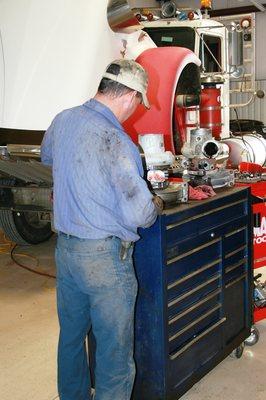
{"x":194,"y":268}
{"x":207,"y":217}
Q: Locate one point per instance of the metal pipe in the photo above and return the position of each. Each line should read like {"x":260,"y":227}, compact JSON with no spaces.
{"x":241,"y":91}
{"x":243,"y":104}
{"x":187,"y":100}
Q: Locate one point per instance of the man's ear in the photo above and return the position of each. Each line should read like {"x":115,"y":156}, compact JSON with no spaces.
{"x":133,"y":94}
{"x":129,"y":97}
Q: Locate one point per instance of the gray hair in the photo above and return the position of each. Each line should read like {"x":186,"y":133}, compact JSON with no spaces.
{"x":112,"y":88}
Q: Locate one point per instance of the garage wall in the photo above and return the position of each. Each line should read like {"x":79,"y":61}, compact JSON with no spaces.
{"x":260,"y":46}
{"x":256,"y":110}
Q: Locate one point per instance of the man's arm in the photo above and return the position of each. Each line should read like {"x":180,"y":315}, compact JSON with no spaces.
{"x":135,"y":201}
{"x":46,"y":146}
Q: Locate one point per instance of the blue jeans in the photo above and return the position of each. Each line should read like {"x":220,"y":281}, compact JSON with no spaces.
{"x":95,"y":290}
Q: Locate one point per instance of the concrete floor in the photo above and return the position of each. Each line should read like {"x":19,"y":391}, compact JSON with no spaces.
{"x":28,"y":340}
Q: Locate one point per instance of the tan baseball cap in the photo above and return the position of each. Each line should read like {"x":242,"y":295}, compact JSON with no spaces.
{"x":132,"y":75}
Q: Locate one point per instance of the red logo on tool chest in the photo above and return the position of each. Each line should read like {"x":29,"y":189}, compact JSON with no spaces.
{"x":260,"y":233}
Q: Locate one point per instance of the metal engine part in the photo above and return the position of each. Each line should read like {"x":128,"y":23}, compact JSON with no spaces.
{"x":205,"y":160}
{"x":156,"y":162}
{"x":259,"y":292}
{"x":202,"y":145}
{"x":174,"y":193}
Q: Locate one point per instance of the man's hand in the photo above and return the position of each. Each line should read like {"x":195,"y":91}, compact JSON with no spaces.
{"x":158,"y":202}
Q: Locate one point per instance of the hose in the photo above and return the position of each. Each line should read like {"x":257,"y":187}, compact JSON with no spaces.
{"x":8,"y":247}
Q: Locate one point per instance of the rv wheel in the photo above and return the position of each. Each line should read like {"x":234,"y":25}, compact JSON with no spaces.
{"x":24,"y":227}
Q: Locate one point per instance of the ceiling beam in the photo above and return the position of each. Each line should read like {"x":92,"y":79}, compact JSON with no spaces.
{"x":234,"y":11}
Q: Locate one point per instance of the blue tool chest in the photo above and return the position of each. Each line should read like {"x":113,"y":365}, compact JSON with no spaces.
{"x":194,"y":268}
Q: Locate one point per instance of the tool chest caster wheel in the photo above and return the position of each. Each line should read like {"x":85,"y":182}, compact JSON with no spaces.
{"x":238,"y":352}
{"x":254,"y":337}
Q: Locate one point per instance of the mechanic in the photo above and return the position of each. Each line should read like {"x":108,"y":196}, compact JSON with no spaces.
{"x":100,"y":199}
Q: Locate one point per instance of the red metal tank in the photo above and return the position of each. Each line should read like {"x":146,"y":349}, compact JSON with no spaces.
{"x":210,"y":110}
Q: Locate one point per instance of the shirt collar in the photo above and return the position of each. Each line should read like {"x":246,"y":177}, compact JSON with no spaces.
{"x":102,"y":109}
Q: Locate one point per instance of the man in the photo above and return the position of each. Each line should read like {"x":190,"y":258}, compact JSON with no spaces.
{"x":100,"y":199}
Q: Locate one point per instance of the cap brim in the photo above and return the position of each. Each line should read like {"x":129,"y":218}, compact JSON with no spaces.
{"x":145,"y":100}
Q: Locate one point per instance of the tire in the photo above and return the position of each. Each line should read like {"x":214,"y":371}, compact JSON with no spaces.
{"x":253,"y":338}
{"x":238,"y":352}
{"x":24,"y":227}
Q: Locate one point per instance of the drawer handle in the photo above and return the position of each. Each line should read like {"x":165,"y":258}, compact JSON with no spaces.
{"x":171,"y":226}
{"x":194,"y":273}
{"x":188,"y":310}
{"x":236,"y":231}
{"x":192,"y":291}
{"x":236,"y":280}
{"x":236,"y":251}
{"x":196,"y":339}
{"x":235,"y":266}
{"x":195,"y":250}
{"x":187,"y":327}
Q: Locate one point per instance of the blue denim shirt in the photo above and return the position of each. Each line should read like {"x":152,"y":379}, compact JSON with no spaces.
{"x":97,"y":171}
